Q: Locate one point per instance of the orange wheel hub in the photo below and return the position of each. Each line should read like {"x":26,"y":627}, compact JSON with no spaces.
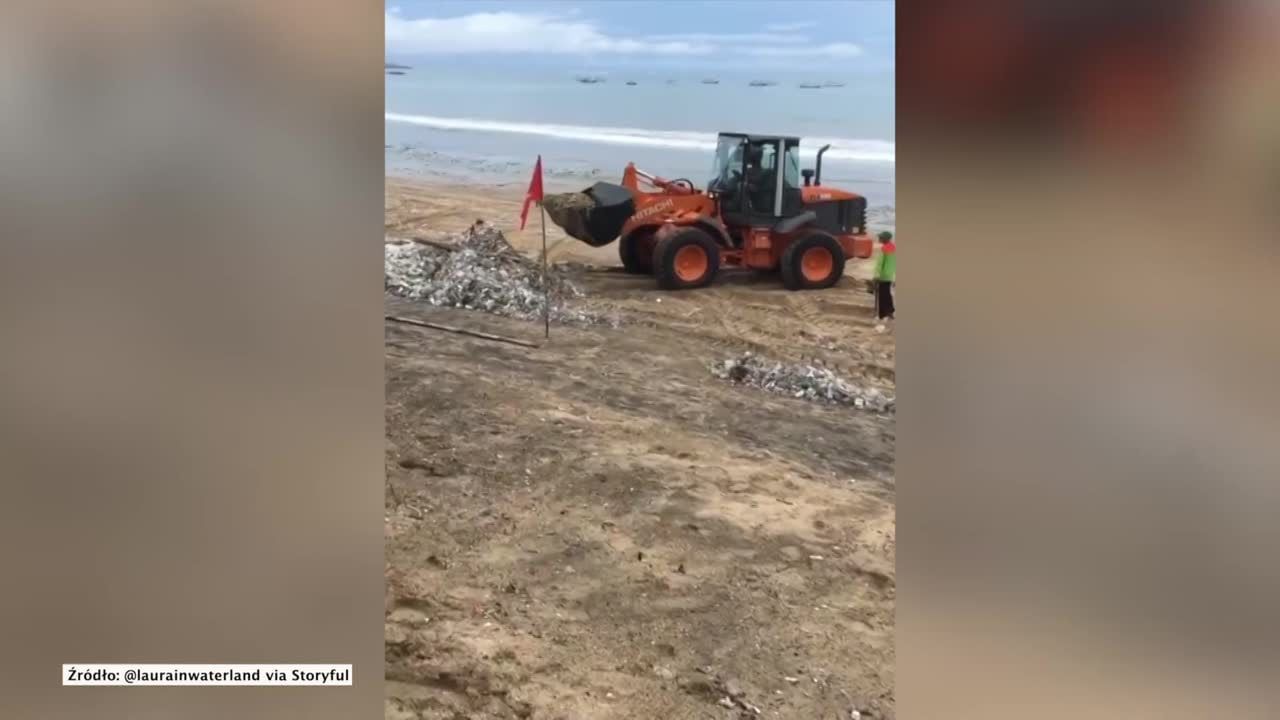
{"x":817,"y":264}
{"x":691,"y":263}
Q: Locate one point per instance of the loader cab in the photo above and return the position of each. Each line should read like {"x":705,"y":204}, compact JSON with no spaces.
{"x":757,"y":178}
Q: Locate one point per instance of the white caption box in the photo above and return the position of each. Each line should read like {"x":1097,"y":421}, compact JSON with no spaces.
{"x":284,"y":674}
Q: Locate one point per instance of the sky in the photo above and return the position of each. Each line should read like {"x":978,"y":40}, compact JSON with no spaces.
{"x":853,"y":36}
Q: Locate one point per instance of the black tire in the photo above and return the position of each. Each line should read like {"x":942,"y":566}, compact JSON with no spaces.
{"x":635,"y":260}
{"x":793,"y":274}
{"x":664,"y":259}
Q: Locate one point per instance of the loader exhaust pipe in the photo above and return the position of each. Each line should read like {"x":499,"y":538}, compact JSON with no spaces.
{"x":817,"y":170}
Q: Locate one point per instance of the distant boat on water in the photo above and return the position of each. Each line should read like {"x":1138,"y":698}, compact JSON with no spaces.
{"x":589,"y":79}
{"x":395,"y":72}
{"x":810,"y":86}
{"x":710,"y":81}
{"x":632,"y":82}
{"x":762,"y":83}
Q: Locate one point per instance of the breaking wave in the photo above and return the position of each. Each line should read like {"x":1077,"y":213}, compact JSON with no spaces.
{"x":841,"y":148}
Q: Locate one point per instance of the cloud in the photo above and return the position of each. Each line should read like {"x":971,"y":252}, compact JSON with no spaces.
{"x":509,"y":32}
{"x":533,"y":33}
{"x":829,"y":50}
{"x":791,"y":26}
{"x":729,"y":38}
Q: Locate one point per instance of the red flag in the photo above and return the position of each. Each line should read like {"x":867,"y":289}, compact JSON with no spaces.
{"x":535,"y":191}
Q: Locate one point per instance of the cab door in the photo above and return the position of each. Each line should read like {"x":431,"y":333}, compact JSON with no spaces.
{"x":774,"y":180}
{"x":791,"y":200}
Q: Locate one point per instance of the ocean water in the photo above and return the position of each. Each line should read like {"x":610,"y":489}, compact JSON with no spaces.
{"x":487,"y":125}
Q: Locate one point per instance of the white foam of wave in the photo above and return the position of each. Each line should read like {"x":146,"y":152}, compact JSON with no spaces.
{"x":841,"y":148}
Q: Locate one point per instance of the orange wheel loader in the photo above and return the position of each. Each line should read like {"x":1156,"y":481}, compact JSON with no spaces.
{"x":754,"y":213}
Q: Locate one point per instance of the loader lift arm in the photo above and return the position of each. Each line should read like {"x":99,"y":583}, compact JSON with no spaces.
{"x":632,"y":176}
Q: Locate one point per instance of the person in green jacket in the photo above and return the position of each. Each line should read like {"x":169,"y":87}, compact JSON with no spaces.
{"x":885,"y":277}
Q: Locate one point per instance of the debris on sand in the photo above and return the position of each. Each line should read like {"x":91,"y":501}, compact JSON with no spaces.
{"x":478,"y":270}
{"x":810,"y":382}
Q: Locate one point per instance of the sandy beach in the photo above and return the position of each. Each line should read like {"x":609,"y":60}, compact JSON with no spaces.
{"x":600,"y":527}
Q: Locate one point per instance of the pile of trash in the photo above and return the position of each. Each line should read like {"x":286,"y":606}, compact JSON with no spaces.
{"x":478,"y":270}
{"x":811,"y":382}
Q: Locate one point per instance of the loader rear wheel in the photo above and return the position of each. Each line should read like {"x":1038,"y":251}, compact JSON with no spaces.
{"x":686,"y":259}
{"x":636,"y":252}
{"x":813,"y":262}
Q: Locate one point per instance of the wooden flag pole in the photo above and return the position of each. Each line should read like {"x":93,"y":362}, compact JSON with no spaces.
{"x":546,"y":292}
{"x":461,"y":331}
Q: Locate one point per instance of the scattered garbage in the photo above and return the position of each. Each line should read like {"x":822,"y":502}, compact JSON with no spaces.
{"x":801,"y":381}
{"x":732,"y":696}
{"x":478,"y":270}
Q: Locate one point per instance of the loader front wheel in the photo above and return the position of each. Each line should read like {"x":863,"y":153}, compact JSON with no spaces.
{"x":813,"y":262}
{"x":686,"y":259}
{"x":636,"y":252}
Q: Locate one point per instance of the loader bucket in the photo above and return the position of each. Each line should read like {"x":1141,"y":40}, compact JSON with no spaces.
{"x":595,"y":216}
